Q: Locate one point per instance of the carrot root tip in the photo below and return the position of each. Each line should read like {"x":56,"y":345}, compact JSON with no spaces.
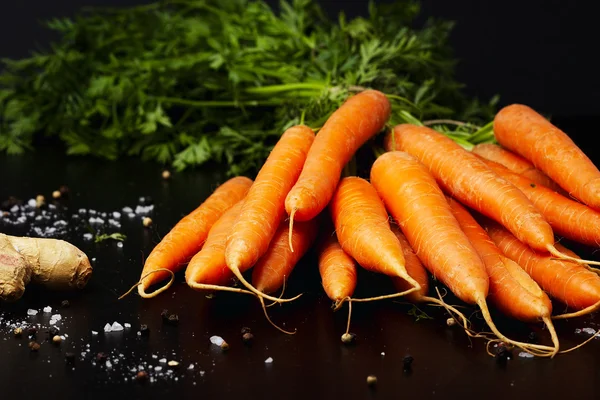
{"x":556,"y":253}
{"x":291,"y":229}
{"x":585,"y":311}
{"x":262,"y":302}
{"x":257,"y":292}
{"x":142,"y":289}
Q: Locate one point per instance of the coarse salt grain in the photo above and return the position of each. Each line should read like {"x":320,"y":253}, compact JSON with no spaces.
{"x":269,"y":360}
{"x":216,"y":340}
{"x":162,"y":360}
{"x":158,"y":368}
{"x":94,"y":333}
{"x":32,"y":312}
{"x":127,"y":325}
{"x":116,"y":327}
{"x":119,"y":244}
{"x":107,"y":328}
{"x":191,"y":366}
{"x":524,"y":354}
{"x":48,"y":309}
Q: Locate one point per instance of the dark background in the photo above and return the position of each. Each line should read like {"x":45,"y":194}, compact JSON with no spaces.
{"x":535,"y":52}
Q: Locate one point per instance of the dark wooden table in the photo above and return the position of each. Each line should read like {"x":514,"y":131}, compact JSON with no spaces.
{"x":313,"y":363}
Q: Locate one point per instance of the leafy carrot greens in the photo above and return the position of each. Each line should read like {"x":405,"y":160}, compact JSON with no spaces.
{"x":191,"y":81}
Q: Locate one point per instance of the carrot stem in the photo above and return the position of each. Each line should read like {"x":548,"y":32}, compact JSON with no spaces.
{"x":143,"y":293}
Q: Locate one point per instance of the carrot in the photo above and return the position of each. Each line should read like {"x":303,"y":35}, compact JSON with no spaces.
{"x":413,"y":198}
{"x":347,"y":129}
{"x":276,"y":265}
{"x":467,"y":178}
{"x":363,"y":230}
{"x":525,"y":132}
{"x":337,"y":270}
{"x":188,"y":235}
{"x":516,"y":164}
{"x":263,"y":208}
{"x":512,"y":291}
{"x":567,"y":282}
{"x":568,"y":218}
{"x":207,"y":270}
{"x":415,"y":269}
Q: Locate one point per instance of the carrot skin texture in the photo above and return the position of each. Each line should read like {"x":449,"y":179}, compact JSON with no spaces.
{"x":347,"y":129}
{"x":516,"y":164}
{"x":567,"y":217}
{"x":414,"y":267}
{"x":188,"y":235}
{"x":208,"y":265}
{"x":467,"y":178}
{"x":418,"y":205}
{"x":568,"y":282}
{"x":337,"y":269}
{"x":263,"y":208}
{"x":277,"y":263}
{"x":525,"y":132}
{"x":363,"y":229}
{"x":512,"y":291}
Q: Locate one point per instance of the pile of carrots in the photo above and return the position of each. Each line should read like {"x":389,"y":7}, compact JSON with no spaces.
{"x":482,"y":222}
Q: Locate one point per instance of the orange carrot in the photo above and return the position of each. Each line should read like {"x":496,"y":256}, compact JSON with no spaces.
{"x":516,"y":164}
{"x":207,"y":270}
{"x":567,"y":217}
{"x":523,"y":131}
{"x":337,"y":269}
{"x":187,"y":237}
{"x":347,"y":129}
{"x":467,"y":178}
{"x":413,"y":198}
{"x":263,"y":208}
{"x":363,"y":230}
{"x":275,"y":266}
{"x":567,"y":282}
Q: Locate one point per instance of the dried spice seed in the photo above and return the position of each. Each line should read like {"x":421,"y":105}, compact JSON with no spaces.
{"x":224,"y":346}
{"x":101,"y":357}
{"x":348,"y":338}
{"x":164,"y":315}
{"x":144,"y":330}
{"x":141,"y":376}
{"x":34,"y":346}
{"x":70,"y":357}
{"x":166,"y":174}
{"x":248,"y":338}
{"x":371,"y":380}
{"x":65,"y":304}
{"x":450,"y":322}
{"x":173,"y":364}
{"x":147,"y":221}
{"x":56,"y":339}
{"x":56,"y":194}
{"x":173,"y":319}
{"x":245,"y":330}
{"x":18,"y":332}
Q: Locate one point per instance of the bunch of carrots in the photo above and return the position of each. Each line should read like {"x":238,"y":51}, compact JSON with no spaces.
{"x":482,"y":222}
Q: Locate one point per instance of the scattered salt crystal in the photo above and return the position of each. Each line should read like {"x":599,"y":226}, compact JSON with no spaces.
{"x":201,"y":373}
{"x":22,"y":219}
{"x":127,"y":210}
{"x":31,"y":202}
{"x":154,"y":356}
{"x":48,"y":309}
{"x":81,"y":211}
{"x":63,"y":337}
{"x":108,"y":364}
{"x":14,"y":209}
{"x":191,"y":366}
{"x":53,"y":322}
{"x":577,"y":330}
{"x":383,"y":353}
{"x":139,"y":333}
{"x":116,"y":327}
{"x":131,"y":215}
{"x":107,"y":328}
{"x":158,"y":368}
{"x":31,"y":312}
{"x":144,"y":209}
{"x":116,"y":215}
{"x":216,"y":340}
{"x":127,"y":325}
{"x":269,"y":360}
{"x":525,"y":354}
{"x":119,"y":244}
{"x":57,"y":317}
{"x":162,"y":360}
{"x":589,"y":331}
{"x":88,"y":236}
{"x":60,"y":222}
{"x":94,"y":333}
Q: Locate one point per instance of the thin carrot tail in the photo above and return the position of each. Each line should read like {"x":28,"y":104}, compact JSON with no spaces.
{"x":280,"y":296}
{"x":582,"y":344}
{"x":535,"y":349}
{"x":556,"y":253}
{"x":553,"y":335}
{"x":585,"y":311}
{"x":262,"y":303}
{"x":257,"y":292}
{"x":204,"y":286}
{"x":291,"y":230}
{"x":416,"y":287}
{"x":141,"y":289}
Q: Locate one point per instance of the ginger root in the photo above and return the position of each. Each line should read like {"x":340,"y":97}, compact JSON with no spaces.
{"x":52,"y":263}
